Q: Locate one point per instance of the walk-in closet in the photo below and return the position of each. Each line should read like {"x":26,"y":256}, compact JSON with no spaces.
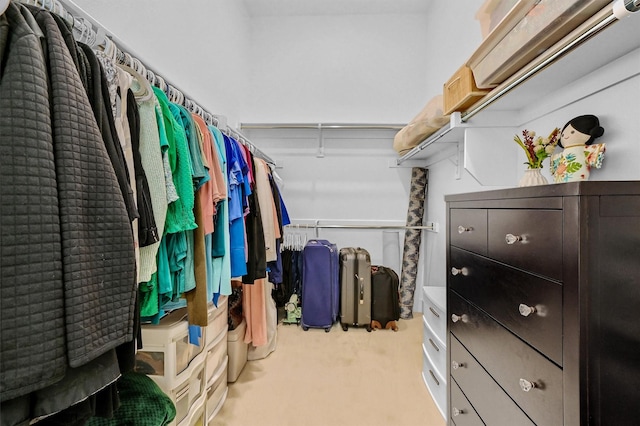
{"x":346,"y":212}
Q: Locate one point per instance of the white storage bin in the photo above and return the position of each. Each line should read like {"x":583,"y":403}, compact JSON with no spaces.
{"x":237,"y":350}
{"x":217,"y":392}
{"x":167,"y":355}
{"x":217,"y":322}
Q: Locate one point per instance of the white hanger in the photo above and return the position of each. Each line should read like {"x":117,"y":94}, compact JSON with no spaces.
{"x":161,"y":83}
{"x":151,"y":77}
{"x":4,"y":4}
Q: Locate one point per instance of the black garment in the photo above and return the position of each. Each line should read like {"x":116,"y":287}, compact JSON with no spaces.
{"x":101,"y":105}
{"x":257,"y":261}
{"x":275,"y":267}
{"x":31,"y":258}
{"x":147,"y":230}
{"x":64,"y":216}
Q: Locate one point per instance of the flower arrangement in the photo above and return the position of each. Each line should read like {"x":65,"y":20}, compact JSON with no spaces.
{"x":537,"y":148}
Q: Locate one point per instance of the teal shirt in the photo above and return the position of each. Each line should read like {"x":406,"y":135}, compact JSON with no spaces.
{"x":180,"y":213}
{"x":221,"y":264}
{"x":199,"y":173}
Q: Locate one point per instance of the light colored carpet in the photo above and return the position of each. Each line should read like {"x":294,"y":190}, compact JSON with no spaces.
{"x":352,"y":378}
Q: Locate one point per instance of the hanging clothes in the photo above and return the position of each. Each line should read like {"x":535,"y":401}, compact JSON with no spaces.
{"x":180,"y":212}
{"x":150,"y":149}
{"x":221,"y":238}
{"x":180,"y":218}
{"x":275,"y":267}
{"x":198,"y":172}
{"x":86,"y":303}
{"x":256,"y":254}
{"x":269,"y":213}
{"x":26,"y":127}
{"x":237,"y":195}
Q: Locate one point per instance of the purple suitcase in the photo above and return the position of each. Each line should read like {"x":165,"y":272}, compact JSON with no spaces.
{"x":320,"y":285}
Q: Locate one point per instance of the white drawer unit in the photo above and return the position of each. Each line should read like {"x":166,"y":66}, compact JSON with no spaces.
{"x":217,"y":323}
{"x":167,"y":356}
{"x":435,"y":383}
{"x":217,"y":391}
{"x":196,"y":415}
{"x":434,"y":310}
{"x":216,"y":356}
{"x":434,"y":347}
{"x":186,"y":396}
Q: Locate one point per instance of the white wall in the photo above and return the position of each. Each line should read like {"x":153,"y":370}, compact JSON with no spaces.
{"x":348,"y":68}
{"x":351,"y":183}
{"x":201,"y":46}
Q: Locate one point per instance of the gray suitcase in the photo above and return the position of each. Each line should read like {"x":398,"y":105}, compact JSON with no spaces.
{"x":355,"y":288}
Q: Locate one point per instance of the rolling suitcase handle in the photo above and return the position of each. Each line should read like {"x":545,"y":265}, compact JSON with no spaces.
{"x":361,"y":280}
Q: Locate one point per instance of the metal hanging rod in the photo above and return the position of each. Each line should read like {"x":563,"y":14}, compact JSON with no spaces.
{"x":609,"y":17}
{"x":88,"y":30}
{"x":321,"y":126}
{"x":432,"y":227}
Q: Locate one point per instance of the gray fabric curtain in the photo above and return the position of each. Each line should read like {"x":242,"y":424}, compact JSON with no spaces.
{"x":412,"y":238}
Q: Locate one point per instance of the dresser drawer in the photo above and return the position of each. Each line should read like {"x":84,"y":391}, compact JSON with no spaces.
{"x":508,"y":294}
{"x":435,"y":383}
{"x":434,"y":306}
{"x":468,"y":229}
{"x":511,"y":362}
{"x":493,"y":405}
{"x":462,"y":412}
{"x":527,"y":239}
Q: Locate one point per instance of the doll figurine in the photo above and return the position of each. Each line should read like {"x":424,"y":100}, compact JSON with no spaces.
{"x":580,"y":154}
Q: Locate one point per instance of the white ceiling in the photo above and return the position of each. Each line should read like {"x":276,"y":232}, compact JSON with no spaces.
{"x":335,"y":7}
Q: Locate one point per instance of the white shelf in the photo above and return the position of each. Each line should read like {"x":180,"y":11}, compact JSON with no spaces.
{"x":545,"y":85}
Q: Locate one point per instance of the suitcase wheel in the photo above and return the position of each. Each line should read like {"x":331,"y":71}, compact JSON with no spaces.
{"x":368,"y":327}
{"x":328,"y":329}
{"x":305,"y":328}
{"x":345,"y":327}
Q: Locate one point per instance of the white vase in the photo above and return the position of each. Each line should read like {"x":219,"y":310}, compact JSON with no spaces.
{"x":533,"y":177}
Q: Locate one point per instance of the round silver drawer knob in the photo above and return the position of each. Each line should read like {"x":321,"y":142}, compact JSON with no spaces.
{"x":525,"y":310}
{"x":457,"y":411}
{"x":456,"y":318}
{"x":462,"y":229}
{"x":456,"y":364}
{"x":512,"y":239}
{"x":458,"y":271}
{"x":526,"y":385}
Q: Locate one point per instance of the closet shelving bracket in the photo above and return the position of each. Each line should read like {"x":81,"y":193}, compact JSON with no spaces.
{"x":441,"y":145}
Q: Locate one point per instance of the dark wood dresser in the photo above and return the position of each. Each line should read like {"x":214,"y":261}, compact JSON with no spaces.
{"x":543,"y":305}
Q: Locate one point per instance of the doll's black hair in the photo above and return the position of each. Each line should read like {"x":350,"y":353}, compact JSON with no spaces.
{"x":587,"y":124}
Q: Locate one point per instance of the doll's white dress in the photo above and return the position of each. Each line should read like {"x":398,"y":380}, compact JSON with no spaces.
{"x":575,"y":162}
